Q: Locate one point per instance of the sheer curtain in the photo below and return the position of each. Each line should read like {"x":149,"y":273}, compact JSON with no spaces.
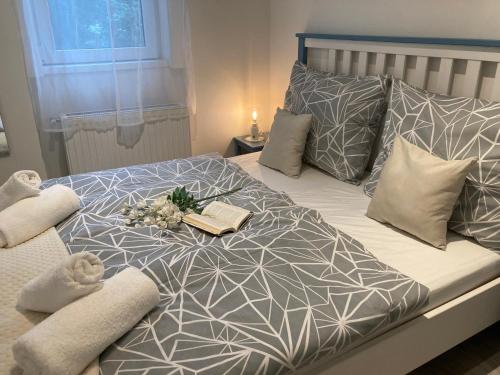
{"x":115,"y":57}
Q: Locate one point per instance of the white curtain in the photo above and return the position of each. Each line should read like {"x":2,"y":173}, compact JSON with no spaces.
{"x":105,"y":56}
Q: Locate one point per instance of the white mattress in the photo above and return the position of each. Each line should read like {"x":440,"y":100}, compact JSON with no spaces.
{"x":463,"y":266}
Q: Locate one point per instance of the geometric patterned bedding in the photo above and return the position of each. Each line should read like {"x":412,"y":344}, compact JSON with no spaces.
{"x":284,"y":291}
{"x":451,"y":128}
{"x":346,"y":114}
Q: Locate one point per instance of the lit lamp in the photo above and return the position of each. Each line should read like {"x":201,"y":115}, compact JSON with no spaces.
{"x":254,"y":130}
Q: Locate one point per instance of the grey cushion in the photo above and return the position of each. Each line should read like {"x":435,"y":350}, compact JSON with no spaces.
{"x":346,"y":112}
{"x":285,"y":145}
{"x":452,"y":128}
{"x":417,"y":191}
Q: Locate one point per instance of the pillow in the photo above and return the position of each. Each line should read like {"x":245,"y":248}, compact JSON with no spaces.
{"x":346,"y":112}
{"x":377,"y":144}
{"x":417,"y":192}
{"x":285,"y":144}
{"x":452,"y":128}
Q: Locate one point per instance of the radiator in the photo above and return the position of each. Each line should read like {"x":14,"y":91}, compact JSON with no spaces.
{"x":165,"y":136}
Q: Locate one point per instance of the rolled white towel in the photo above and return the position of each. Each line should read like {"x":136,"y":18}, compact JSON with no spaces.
{"x":29,"y":217}
{"x":68,"y":340}
{"x":76,"y":276}
{"x":22,"y":184}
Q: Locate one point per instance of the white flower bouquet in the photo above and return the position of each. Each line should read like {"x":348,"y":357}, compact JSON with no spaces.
{"x":166,"y":211}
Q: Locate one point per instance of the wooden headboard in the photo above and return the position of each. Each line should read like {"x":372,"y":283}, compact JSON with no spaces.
{"x":458,"y":67}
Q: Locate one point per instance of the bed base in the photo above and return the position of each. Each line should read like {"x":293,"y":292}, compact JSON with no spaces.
{"x":421,"y":339}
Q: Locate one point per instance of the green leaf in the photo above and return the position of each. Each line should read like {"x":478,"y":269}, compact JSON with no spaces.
{"x":181,"y":197}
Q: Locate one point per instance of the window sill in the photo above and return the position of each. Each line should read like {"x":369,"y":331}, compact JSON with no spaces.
{"x":101,"y":67}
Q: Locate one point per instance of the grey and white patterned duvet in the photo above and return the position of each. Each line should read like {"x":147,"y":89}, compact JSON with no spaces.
{"x":281,"y":293}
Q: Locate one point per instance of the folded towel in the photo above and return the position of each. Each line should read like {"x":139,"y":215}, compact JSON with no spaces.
{"x":74,"y":277}
{"x":29,"y":217}
{"x":68,"y":340}
{"x":18,"y":265}
{"x":20,"y":185}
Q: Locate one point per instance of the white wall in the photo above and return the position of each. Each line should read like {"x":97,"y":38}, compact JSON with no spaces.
{"x":15,"y":103}
{"x":243,"y":52}
{"x":230,"y":40}
{"x":432,"y":18}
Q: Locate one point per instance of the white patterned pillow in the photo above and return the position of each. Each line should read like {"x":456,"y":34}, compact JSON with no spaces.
{"x":346,"y":112}
{"x":452,"y":128}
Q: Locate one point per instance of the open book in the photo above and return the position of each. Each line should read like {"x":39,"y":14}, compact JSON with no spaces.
{"x":219,"y":218}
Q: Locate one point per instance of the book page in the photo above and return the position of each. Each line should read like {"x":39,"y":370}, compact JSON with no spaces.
{"x":206,"y":223}
{"x":230,"y":215}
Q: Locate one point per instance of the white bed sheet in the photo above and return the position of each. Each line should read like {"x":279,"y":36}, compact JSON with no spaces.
{"x":463,"y":266}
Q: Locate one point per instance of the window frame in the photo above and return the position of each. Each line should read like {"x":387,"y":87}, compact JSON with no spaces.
{"x":52,"y":56}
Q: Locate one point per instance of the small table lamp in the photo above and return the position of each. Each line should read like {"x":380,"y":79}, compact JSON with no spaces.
{"x":254,"y":130}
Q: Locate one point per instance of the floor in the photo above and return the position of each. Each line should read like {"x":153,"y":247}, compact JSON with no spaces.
{"x":480,"y":355}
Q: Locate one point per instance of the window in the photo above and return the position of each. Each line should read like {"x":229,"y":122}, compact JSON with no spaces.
{"x":92,"y":31}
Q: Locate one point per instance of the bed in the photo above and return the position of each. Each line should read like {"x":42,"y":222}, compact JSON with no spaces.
{"x":308,"y":284}
{"x":465,"y":275}
{"x":417,"y":301}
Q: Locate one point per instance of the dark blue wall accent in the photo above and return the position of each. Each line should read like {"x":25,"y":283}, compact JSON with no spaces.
{"x":302,"y":56}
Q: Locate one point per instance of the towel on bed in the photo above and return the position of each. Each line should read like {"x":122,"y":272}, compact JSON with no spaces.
{"x":18,"y":265}
{"x":68,"y":340}
{"x":72,"y":278}
{"x":22,"y":184}
{"x":29,"y":217}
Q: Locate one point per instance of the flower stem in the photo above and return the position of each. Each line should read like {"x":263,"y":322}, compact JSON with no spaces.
{"x":218,"y":195}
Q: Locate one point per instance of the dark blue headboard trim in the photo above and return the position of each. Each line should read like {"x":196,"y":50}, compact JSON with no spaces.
{"x":302,"y":55}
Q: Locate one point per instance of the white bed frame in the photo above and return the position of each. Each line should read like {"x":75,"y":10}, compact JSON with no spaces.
{"x":447,"y":66}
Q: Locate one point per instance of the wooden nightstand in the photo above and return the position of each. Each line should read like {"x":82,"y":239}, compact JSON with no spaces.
{"x":246,"y":147}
